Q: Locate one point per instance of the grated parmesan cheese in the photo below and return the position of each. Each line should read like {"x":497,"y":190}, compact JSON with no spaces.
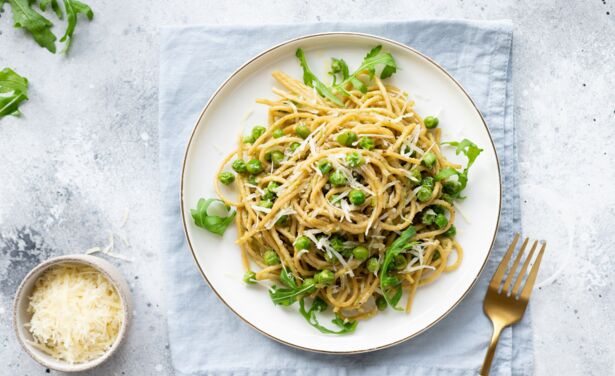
{"x":76,"y":313}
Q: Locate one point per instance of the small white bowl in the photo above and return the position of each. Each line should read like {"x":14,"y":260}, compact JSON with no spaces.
{"x":21,"y":315}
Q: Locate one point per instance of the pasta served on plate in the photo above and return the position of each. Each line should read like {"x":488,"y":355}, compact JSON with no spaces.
{"x":344,"y":200}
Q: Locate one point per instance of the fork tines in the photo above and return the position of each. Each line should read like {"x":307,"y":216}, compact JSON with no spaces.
{"x":496,"y":281}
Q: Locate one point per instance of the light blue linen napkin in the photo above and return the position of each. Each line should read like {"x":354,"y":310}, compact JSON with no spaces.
{"x":206,"y":337}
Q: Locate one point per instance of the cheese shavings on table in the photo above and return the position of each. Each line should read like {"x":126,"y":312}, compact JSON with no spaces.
{"x":76,"y":313}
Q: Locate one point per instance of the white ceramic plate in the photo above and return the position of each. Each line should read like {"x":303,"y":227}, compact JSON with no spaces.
{"x":223,"y":119}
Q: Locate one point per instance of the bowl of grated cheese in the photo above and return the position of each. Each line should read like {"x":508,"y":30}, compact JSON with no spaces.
{"x":71,"y":313}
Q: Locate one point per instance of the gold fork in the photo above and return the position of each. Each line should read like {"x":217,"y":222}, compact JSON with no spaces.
{"x":504,"y":306}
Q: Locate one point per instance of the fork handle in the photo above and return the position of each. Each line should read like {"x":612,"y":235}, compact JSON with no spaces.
{"x":497,"y":330}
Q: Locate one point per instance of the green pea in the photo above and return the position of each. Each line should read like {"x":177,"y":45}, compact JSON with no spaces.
{"x":431,"y":122}
{"x":270,"y":257}
{"x":337,"y":179}
{"x":239,"y":166}
{"x":258,"y":131}
{"x":277,"y":157}
{"x":324,"y":277}
{"x":252,"y":180}
{"x":249,"y":277}
{"x":248,"y":139}
{"x":360,"y":253}
{"x":254,"y":166}
{"x":282,"y":221}
{"x":429,"y":159}
{"x":226,"y":178}
{"x":294,"y":146}
{"x":400,"y":262}
{"x":452,"y":187}
{"x":277,"y":133}
{"x":366,"y":143}
{"x":302,"y":242}
{"x":415,"y":177}
{"x":381,"y":303}
{"x":266,"y":204}
{"x":452,"y":231}
{"x":423,"y":194}
{"x":373,"y":265}
{"x":441,"y":221}
{"x":428,"y":217}
{"x":302,"y":131}
{"x":428,"y":182}
{"x":354,"y":159}
{"x":324,"y":166}
{"x":356,"y":197}
{"x":346,"y":138}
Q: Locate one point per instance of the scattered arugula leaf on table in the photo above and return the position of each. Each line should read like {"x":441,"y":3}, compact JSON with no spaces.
{"x":13,"y":91}
{"x":39,"y":27}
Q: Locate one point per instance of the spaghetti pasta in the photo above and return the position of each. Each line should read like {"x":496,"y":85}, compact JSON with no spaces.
{"x":349,"y":202}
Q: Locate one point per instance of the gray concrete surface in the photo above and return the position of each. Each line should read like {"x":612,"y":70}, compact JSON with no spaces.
{"x":84,"y":156}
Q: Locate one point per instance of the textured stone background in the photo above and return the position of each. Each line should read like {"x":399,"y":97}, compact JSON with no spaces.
{"x":84,"y":156}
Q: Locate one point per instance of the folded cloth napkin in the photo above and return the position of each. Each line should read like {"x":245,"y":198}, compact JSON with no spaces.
{"x":206,"y":337}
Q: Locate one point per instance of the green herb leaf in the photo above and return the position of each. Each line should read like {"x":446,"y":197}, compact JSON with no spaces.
{"x":471,"y":151}
{"x":310,"y":79}
{"x":212,"y":223}
{"x":287,"y":296}
{"x":55,"y":6}
{"x":391,"y":285}
{"x":287,"y":278}
{"x":319,"y":305}
{"x":338,"y":66}
{"x":73,"y":8}
{"x":374,"y":59}
{"x":13,"y":91}
{"x":446,"y":173}
{"x":37,"y":25}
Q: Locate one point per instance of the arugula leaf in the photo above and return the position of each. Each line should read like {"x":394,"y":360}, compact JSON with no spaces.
{"x":319,"y":305}
{"x":391,"y":285}
{"x":310,"y":79}
{"x":13,"y":91}
{"x":73,"y":8}
{"x":374,"y":58}
{"x":55,"y":6}
{"x":445,"y":173}
{"x":37,"y":25}
{"x":287,"y":296}
{"x":338,"y":66}
{"x":212,"y":223}
{"x":287,"y":278}
{"x":471,"y":151}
